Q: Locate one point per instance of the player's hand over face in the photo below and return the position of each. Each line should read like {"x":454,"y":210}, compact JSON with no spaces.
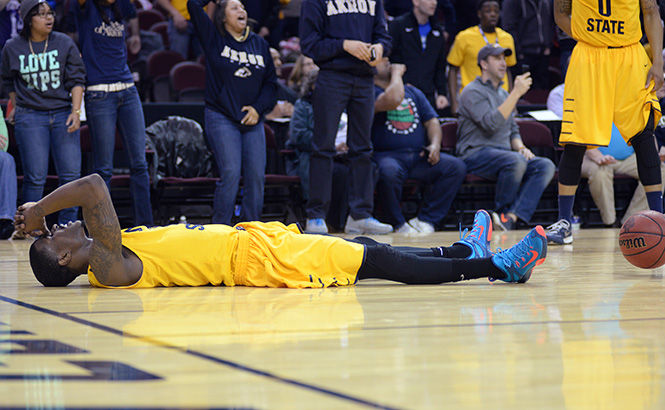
{"x":27,"y":219}
{"x":655,"y":74}
{"x":358,"y":49}
{"x":523,"y":83}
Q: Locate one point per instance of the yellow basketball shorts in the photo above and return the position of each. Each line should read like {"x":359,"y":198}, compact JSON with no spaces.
{"x":281,"y":256}
{"x":605,"y":86}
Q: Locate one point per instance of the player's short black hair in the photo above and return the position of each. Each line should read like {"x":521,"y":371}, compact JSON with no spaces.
{"x":46,"y":268}
{"x":481,"y":3}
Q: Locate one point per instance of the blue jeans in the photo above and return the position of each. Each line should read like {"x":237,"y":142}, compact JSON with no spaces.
{"x":182,"y":41}
{"x":7,"y":186}
{"x":519,"y":183}
{"x":442,"y":183}
{"x":37,"y":132}
{"x":104,"y":110}
{"x":236,"y":148}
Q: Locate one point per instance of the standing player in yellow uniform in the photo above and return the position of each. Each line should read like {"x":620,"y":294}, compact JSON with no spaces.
{"x":249,"y":254}
{"x":610,"y":79}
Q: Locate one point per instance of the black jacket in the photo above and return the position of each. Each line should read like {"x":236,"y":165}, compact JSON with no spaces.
{"x":531,"y":24}
{"x":426,"y":69}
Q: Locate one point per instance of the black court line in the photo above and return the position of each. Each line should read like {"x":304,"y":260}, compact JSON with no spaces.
{"x":199,"y":355}
{"x":14,"y":332}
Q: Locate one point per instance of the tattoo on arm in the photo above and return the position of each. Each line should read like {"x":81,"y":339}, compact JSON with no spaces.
{"x":104,"y":228}
{"x":563,"y":6}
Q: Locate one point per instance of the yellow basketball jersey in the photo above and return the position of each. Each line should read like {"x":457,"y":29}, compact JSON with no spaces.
{"x":606,"y":23}
{"x":181,"y":255}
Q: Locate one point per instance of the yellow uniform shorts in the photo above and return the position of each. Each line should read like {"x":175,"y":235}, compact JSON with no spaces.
{"x":605,"y":86}
{"x":274,"y":255}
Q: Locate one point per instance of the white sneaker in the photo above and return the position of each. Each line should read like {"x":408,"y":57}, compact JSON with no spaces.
{"x":316,"y":225}
{"x":406,"y":230}
{"x":366,"y":226}
{"x":421,"y":226}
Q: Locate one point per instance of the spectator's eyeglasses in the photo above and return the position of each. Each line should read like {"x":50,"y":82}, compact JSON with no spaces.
{"x":46,"y":14}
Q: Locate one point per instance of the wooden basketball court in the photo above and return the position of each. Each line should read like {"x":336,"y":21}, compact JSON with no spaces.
{"x":587,"y":331}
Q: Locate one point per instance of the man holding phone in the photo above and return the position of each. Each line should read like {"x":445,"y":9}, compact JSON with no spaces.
{"x":489,"y":141}
{"x":407,"y":142}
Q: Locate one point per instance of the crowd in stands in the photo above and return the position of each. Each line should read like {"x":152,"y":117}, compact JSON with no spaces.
{"x":361,"y":125}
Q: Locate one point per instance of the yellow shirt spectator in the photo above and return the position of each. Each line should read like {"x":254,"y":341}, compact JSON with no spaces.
{"x":181,"y":6}
{"x":464,"y":52}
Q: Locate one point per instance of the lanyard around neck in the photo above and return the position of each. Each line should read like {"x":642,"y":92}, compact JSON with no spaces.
{"x":482,"y":33}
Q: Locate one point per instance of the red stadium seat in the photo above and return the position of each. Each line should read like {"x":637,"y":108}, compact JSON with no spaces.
{"x":147,"y":18}
{"x":188,"y":81}
{"x":162,"y":28}
{"x":286,"y":71}
{"x":158,"y":68}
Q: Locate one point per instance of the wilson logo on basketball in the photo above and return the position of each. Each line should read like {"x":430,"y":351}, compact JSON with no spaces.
{"x":632,"y":243}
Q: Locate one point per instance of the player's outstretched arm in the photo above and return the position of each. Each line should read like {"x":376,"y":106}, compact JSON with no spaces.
{"x":562,"y":12}
{"x":91,"y":194}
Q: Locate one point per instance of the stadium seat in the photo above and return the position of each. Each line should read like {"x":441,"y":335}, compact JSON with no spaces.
{"x":149,"y":17}
{"x":159,"y":66}
{"x":286,"y":71}
{"x":162,"y":28}
{"x":188,"y":81}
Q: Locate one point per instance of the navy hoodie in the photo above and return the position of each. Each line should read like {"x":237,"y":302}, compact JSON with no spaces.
{"x":238,"y":73}
{"x":325,"y":24}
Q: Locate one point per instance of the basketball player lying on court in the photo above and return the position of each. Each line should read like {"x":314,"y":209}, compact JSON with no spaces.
{"x":249,"y":254}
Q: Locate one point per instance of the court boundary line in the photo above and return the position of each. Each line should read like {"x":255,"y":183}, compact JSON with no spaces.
{"x":194,"y":353}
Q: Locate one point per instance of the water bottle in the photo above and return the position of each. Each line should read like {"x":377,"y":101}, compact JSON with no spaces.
{"x":575,"y":223}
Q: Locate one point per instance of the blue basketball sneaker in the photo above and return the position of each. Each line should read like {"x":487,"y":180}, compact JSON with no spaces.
{"x":518,"y":262}
{"x":478,"y":239}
